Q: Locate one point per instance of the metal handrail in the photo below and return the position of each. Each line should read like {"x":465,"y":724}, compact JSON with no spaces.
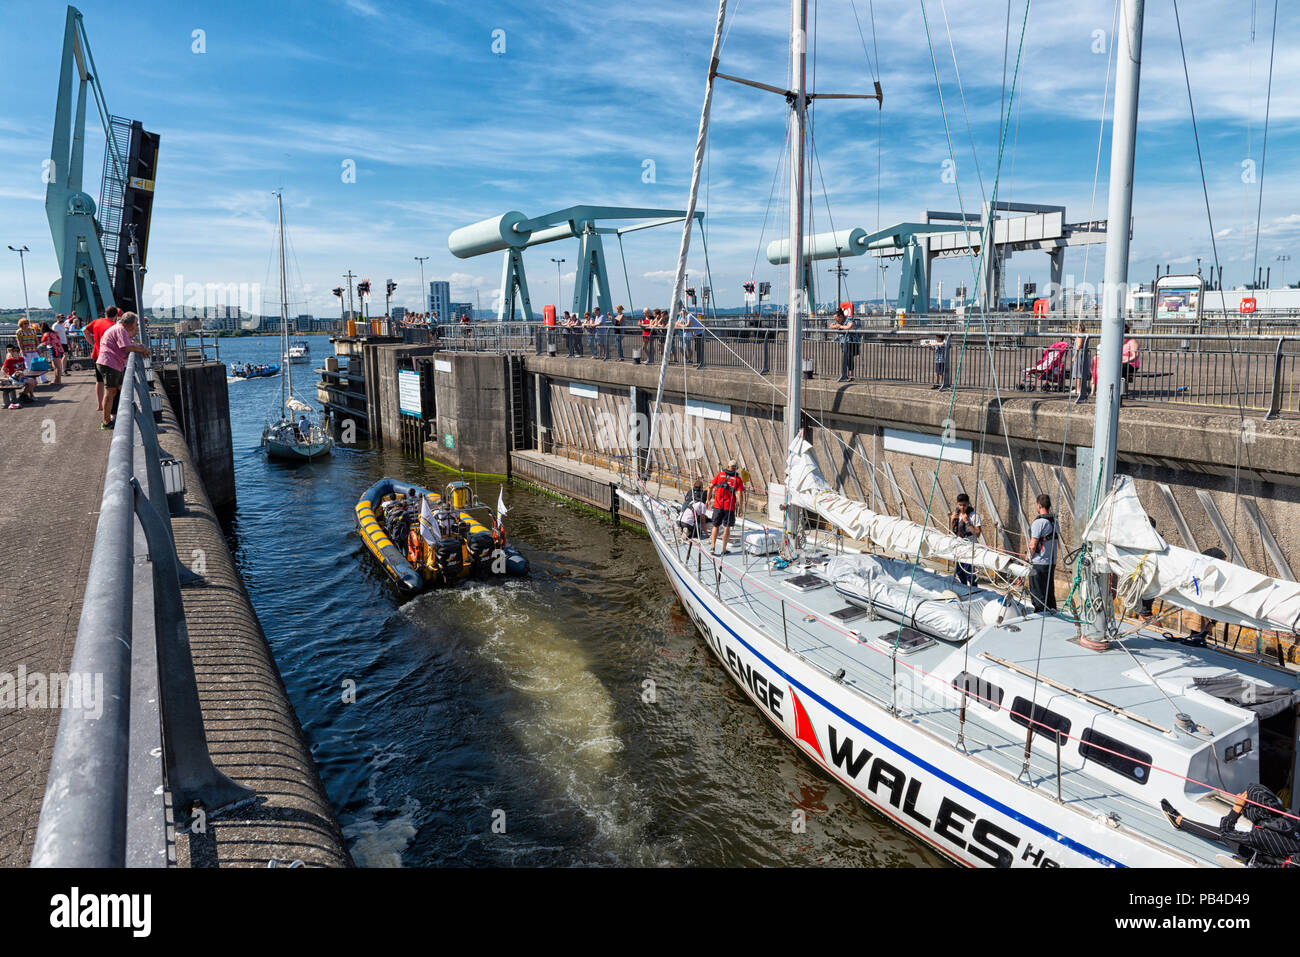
{"x":85,"y":818}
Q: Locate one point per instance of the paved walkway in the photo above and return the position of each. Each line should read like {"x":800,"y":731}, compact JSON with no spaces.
{"x":51,"y":480}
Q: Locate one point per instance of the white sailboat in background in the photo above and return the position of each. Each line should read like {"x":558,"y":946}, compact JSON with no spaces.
{"x":299,"y":432}
{"x":996,"y":735}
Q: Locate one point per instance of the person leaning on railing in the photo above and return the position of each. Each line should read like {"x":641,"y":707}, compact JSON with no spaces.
{"x":114,"y":346}
{"x":849,"y":344}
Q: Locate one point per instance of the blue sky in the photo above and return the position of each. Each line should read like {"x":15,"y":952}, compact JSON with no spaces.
{"x":443,"y":131}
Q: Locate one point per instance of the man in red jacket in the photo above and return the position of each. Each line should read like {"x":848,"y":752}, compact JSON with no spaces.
{"x":728,"y":497}
{"x":93,"y":332}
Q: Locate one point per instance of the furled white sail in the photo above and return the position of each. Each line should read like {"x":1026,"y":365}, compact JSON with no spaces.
{"x":1149,"y":567}
{"x":807,"y":488}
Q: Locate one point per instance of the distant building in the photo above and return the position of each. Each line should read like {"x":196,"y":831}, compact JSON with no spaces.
{"x":440,"y":301}
{"x":399,"y":313}
{"x":459,"y":309}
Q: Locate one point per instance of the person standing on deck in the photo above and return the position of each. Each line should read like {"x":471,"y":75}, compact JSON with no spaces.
{"x":1082,"y":364}
{"x":728,"y":498}
{"x":965,"y":524}
{"x":1042,"y":556}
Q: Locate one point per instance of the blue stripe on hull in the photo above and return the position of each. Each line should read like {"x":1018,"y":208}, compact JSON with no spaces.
{"x":897,"y":749}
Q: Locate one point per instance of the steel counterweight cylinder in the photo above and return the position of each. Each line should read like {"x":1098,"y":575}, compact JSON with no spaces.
{"x":489,"y":236}
{"x":842,"y":242}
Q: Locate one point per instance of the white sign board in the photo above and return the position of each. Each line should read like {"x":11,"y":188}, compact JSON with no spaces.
{"x":708,"y":410}
{"x":441,"y":365}
{"x":409,"y":399}
{"x":930,"y":446}
{"x":584,"y":390}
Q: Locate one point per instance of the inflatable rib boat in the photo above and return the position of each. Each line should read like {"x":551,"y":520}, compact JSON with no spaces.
{"x":422,"y":538}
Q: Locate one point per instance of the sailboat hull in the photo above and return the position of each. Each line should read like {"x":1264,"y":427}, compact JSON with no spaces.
{"x":968,"y":811}
{"x":297,"y":451}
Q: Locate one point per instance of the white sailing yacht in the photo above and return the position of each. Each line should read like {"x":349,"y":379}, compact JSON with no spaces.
{"x":996,"y":735}
{"x":298,"y":433}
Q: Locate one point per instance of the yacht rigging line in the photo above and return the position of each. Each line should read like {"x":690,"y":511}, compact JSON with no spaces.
{"x":1214,"y":248}
{"x":1268,"y":101}
{"x":984,"y":246}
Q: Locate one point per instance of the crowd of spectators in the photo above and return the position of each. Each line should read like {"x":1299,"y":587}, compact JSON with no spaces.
{"x":41,"y":352}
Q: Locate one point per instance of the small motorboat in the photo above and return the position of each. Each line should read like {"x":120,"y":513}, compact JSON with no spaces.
{"x":249,"y":371}
{"x":299,"y":351}
{"x":422,"y":538}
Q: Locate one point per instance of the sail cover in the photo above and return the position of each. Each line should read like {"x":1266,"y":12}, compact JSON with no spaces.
{"x":808,"y":489}
{"x":1213,"y":587}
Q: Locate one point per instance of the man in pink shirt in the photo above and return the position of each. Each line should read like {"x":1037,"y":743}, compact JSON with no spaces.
{"x":114,"y":345}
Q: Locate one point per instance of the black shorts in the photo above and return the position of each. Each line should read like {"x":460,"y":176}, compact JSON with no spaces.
{"x":724,"y":517}
{"x":111,"y":377}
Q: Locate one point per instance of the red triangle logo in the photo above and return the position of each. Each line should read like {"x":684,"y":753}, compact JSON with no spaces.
{"x":803,"y":728}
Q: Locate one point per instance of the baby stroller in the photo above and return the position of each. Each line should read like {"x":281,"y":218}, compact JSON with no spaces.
{"x":1049,"y":373}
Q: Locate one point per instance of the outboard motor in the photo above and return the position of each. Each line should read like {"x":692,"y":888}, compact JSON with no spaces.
{"x":447,"y":556}
{"x":480,"y":550}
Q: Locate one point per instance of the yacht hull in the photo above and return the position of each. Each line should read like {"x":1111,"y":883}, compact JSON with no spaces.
{"x":966,"y":810}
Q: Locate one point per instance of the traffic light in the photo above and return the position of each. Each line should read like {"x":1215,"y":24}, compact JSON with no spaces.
{"x":764,"y":290}
{"x":363,"y":287}
{"x":391,"y":286}
{"x":338,"y":291}
{"x":690,"y":293}
{"x":749,"y":288}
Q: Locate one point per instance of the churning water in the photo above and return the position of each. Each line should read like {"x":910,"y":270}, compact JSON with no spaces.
{"x":571,"y":717}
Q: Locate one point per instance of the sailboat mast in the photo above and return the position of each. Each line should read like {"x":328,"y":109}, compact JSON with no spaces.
{"x":286,"y":379}
{"x":1118,"y":219}
{"x":794,"y":326}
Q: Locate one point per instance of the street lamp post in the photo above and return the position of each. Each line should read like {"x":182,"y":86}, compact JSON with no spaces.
{"x":349,"y":276}
{"x":840,"y":273}
{"x":423,"y":290}
{"x":559,"y":296}
{"x":21,"y":250}
{"x":1283,"y":259}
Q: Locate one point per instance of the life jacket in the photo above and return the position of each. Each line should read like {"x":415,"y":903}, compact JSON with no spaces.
{"x":727,"y":485}
{"x":414,"y":546}
{"x":1049,"y":537}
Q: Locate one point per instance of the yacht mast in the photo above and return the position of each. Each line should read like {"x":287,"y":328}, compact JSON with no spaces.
{"x":798,"y":104}
{"x":1119,"y":218}
{"x":286,"y":378}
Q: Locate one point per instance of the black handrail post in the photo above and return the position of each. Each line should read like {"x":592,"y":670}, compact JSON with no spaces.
{"x":1275,"y":401}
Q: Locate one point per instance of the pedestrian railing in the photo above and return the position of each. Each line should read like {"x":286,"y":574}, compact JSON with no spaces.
{"x":1256,"y":374}
{"x":183,"y":348}
{"x":115,"y":777}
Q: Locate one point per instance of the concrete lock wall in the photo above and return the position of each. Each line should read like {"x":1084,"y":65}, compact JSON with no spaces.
{"x":382,"y":405}
{"x":199,"y":395}
{"x":1182,"y":458}
{"x":472,"y":413}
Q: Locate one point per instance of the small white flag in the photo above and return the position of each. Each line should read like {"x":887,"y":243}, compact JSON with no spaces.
{"x":428,"y":527}
{"x":501,"y":502}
